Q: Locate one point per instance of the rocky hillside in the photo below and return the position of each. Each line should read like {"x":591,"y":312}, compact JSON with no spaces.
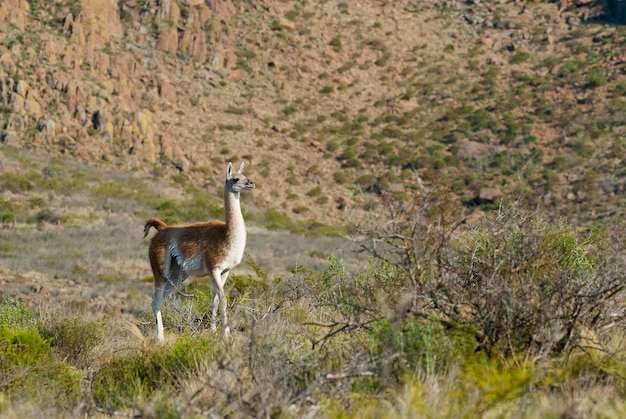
{"x":335,"y":105}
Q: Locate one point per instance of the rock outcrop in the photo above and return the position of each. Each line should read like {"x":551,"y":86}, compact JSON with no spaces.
{"x":93,"y":86}
{"x":15,"y":12}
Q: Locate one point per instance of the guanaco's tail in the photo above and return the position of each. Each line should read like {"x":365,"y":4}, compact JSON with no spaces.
{"x":153,"y":222}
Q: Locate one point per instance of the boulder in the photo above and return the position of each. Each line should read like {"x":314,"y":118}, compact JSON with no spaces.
{"x":15,"y":12}
{"x":488,"y":195}
{"x":167,"y":92}
{"x":97,"y":24}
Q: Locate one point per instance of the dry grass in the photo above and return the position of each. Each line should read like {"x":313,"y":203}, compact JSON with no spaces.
{"x":317,"y":342}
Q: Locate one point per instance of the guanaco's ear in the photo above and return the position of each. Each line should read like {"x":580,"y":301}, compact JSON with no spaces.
{"x":229,"y":171}
{"x":240,"y":170}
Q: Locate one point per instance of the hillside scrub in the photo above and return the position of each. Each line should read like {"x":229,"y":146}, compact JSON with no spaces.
{"x":511,"y":310}
{"x":357,"y":91}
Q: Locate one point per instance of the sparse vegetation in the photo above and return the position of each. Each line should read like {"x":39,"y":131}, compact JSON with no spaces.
{"x":340,"y":337}
{"x":398,"y":117}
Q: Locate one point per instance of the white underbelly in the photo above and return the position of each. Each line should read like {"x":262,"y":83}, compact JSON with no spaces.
{"x":195,"y":266}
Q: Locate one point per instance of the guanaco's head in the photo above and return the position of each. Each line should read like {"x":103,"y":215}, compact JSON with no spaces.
{"x":237,"y":182}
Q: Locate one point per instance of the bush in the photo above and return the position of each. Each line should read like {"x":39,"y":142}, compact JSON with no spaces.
{"x":525,"y":285}
{"x":30,"y":373}
{"x":123,"y":380}
{"x":21,"y":348}
{"x":15,"y":315}
{"x":18,"y":182}
{"x":596,"y":78}
{"x":336,"y":43}
{"x":290,"y":110}
{"x":423,"y":345}
{"x":520,"y":57}
{"x":524,"y":300}
{"x":73,"y":339}
{"x":316,"y":191}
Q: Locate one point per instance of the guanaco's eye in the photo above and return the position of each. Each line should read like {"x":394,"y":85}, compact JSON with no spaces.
{"x":235,"y":179}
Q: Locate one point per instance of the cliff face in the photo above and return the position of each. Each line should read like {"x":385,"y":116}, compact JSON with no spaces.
{"x":90,"y":82}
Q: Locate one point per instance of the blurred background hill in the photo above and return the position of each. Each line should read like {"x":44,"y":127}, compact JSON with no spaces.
{"x":335,"y":106}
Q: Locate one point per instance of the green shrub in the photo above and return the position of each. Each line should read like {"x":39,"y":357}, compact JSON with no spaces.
{"x":383,"y":59}
{"x":289,"y":110}
{"x":300,"y":209}
{"x":22,"y":348}
{"x":596,"y":77}
{"x":322,"y":200}
{"x":198,"y":207}
{"x":7,"y":217}
{"x":495,"y":381}
{"x":424,"y":345}
{"x":619,"y":89}
{"x":316,"y":191}
{"x":377,"y":45}
{"x":529,"y":300}
{"x":569,"y":70}
{"x":169,"y":211}
{"x":292,"y":14}
{"x":520,"y":57}
{"x":336,"y":43}
{"x":15,"y":315}
{"x":46,"y":216}
{"x":479,"y":119}
{"x":18,"y":182}
{"x":367,"y":181}
{"x":30,"y":373}
{"x":526,"y":285}
{"x":275,"y":220}
{"x":317,"y":254}
{"x":124,"y":380}
{"x":340,"y":178}
{"x":73,"y":339}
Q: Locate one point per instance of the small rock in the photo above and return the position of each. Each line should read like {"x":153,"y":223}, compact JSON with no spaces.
{"x":167,"y":92}
{"x":510,"y":23}
{"x":47,"y":126}
{"x":395,"y":187}
{"x":287,"y":24}
{"x":489,"y":195}
{"x":8,"y":137}
{"x":21,"y":88}
{"x":234,"y":75}
{"x":32,"y":107}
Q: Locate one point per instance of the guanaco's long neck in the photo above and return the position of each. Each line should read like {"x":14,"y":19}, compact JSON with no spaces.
{"x":234,"y":217}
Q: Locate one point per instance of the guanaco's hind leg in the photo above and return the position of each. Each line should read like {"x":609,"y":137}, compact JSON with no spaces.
{"x":172,"y":277}
{"x":157,"y":300}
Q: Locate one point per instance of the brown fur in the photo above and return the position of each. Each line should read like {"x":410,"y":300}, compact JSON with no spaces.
{"x":153,"y":222}
{"x":192,"y":240}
